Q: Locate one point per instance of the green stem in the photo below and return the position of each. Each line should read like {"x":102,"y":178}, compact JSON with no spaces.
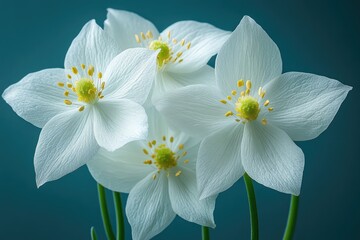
{"x":205,"y":233}
{"x":93,"y":233}
{"x":104,"y":213}
{"x":252,"y":207}
{"x":120,"y":229}
{"x":291,"y":222}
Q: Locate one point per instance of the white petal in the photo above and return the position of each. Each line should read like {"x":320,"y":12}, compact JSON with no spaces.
{"x":131,"y":74}
{"x":304,"y":104}
{"x":249,"y":54}
{"x":122,"y":169}
{"x":37,"y":97}
{"x":219,"y":161}
{"x":66,"y":143}
{"x":185,"y":201}
{"x":195,"y":110}
{"x":148,"y":207}
{"x":123,"y":26}
{"x":271,"y":158}
{"x":169,"y":81}
{"x":205,"y":40}
{"x":119,"y":122}
{"x":92,"y":46}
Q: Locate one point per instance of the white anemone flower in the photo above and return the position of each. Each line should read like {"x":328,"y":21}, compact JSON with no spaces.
{"x":252,"y":117}
{"x":95,"y":101}
{"x":185,"y":47}
{"x":160,"y":175}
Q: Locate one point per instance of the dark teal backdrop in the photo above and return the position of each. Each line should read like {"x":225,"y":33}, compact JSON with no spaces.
{"x":314,"y":36}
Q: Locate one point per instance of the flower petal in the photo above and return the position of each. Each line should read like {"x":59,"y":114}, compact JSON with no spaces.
{"x":205,"y":40}
{"x":122,"y":169}
{"x":123,"y":26}
{"x":169,"y":81}
{"x":148,"y":207}
{"x":119,"y":122}
{"x":271,"y":158}
{"x":92,"y":46}
{"x":304,"y":104}
{"x":185,"y":201}
{"x":195,"y":110}
{"x":249,"y":54}
{"x":219,"y":161}
{"x":130,"y":75}
{"x":66,"y":143}
{"x":37,"y":97}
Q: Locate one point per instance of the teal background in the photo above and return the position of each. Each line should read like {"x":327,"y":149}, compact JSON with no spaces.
{"x":320,"y":37}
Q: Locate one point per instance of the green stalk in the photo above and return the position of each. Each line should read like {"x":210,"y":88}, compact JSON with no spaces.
{"x":205,"y":233}
{"x":120,"y":229}
{"x":291,"y":222}
{"x":104,"y":213}
{"x":93,"y":233}
{"x":252,"y":207}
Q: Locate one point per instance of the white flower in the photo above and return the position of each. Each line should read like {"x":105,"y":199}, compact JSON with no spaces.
{"x":185,"y":47}
{"x":253,"y":115}
{"x":95,"y":101}
{"x":160,"y":175}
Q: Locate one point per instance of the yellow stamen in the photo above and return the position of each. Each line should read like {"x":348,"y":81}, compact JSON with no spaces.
{"x":60,"y":84}
{"x":169,"y":34}
{"x":148,"y":162}
{"x":182,"y":42}
{"x":223,"y":101}
{"x":266,"y":103}
{"x":188,"y":46}
{"x":248,"y":84}
{"x":145,"y":151}
{"x":69,"y":85}
{"x":91,"y":70}
{"x":143,"y":35}
{"x":229,"y":98}
{"x":184,"y":154}
{"x":74,"y":70}
{"x":178,"y":173}
{"x":137,"y":38}
{"x":69,"y":76}
{"x":240,"y":83}
{"x":103,"y":85}
{"x":67,"y":102}
{"x":229,"y":113}
{"x":270,"y":109}
{"x":171,"y":139}
{"x":83,"y":66}
{"x":149,"y":144}
{"x":262,"y":95}
{"x":263,"y":121}
{"x":100,"y":75}
{"x":81,"y":108}
{"x":233,"y":92}
{"x":186,"y":161}
{"x":154,"y":177}
{"x":153,"y":142}
{"x":174,"y":41}
{"x":66,"y":93}
{"x":164,"y":138}
{"x":181,"y":146}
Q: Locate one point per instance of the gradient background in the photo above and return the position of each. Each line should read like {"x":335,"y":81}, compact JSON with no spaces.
{"x":312,"y":36}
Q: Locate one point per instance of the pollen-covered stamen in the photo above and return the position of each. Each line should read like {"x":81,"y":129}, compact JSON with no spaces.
{"x":165,"y":155}
{"x":166,"y":46}
{"x":247,"y":107}
{"x":84,"y":85}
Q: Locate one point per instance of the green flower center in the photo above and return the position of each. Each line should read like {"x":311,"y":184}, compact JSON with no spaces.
{"x":247,"y":108}
{"x":164,"y":53}
{"x":85,"y":90}
{"x":164,"y":157}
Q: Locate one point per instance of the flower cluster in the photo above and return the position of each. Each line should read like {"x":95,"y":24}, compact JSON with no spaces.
{"x":149,"y":117}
